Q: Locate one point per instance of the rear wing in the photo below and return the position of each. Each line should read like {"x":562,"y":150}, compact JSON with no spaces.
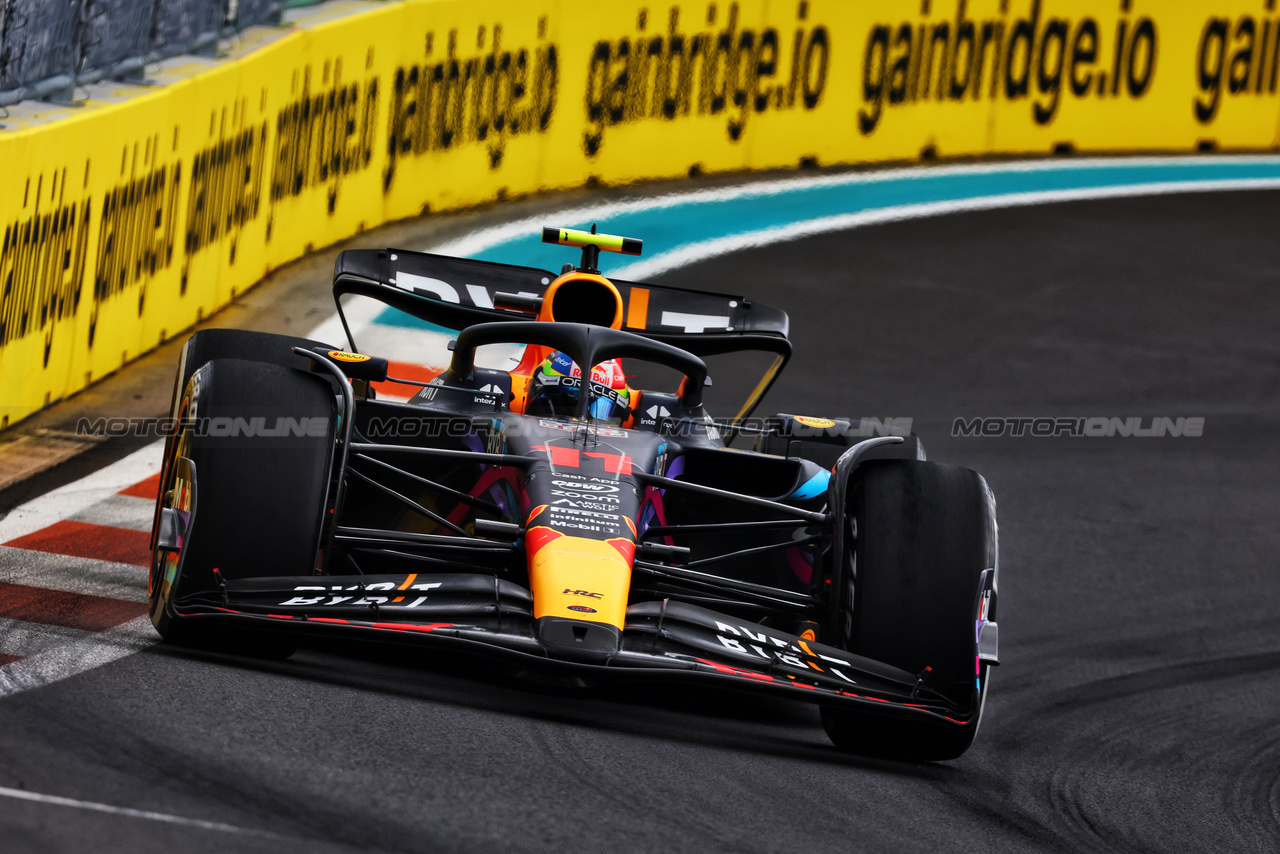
{"x":460,"y":292}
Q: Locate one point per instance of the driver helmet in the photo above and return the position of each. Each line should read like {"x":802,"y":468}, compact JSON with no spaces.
{"x":610,"y":396}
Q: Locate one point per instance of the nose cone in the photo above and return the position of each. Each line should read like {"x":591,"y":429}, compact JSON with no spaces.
{"x":580,"y":586}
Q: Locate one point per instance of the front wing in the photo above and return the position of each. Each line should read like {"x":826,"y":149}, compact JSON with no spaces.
{"x":484,"y":615}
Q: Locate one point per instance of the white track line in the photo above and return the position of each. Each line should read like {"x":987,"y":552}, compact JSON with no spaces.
{"x":19,"y":794}
{"x":693,"y":253}
{"x":479,"y":241}
{"x":66,"y":501}
{"x":486,"y":238}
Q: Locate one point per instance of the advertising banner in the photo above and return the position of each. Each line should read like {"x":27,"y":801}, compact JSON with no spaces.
{"x":128,"y":218}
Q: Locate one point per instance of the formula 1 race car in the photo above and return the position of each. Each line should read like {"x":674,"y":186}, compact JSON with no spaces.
{"x":528,"y":473}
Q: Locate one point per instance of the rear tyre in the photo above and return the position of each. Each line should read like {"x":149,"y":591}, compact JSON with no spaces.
{"x":924,"y":534}
{"x":259,"y":498}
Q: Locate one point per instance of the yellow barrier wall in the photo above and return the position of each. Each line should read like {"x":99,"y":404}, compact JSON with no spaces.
{"x":128,"y":218}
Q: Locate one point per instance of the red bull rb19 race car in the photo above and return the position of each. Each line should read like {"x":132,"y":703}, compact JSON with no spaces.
{"x":549,"y":491}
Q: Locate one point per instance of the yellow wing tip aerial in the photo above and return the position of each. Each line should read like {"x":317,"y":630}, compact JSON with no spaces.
{"x":607,"y":242}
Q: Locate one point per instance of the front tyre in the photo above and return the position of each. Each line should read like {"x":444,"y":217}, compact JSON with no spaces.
{"x":925,"y":532}
{"x":260,"y":440}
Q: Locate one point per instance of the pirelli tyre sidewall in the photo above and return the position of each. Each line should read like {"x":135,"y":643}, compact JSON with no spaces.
{"x":261,"y":440}
{"x":920,"y":536}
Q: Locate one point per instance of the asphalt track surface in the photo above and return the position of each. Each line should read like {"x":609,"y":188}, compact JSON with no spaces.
{"x":1136,"y":706}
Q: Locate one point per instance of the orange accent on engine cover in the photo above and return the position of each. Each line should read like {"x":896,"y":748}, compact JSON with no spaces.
{"x":638,"y":309}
